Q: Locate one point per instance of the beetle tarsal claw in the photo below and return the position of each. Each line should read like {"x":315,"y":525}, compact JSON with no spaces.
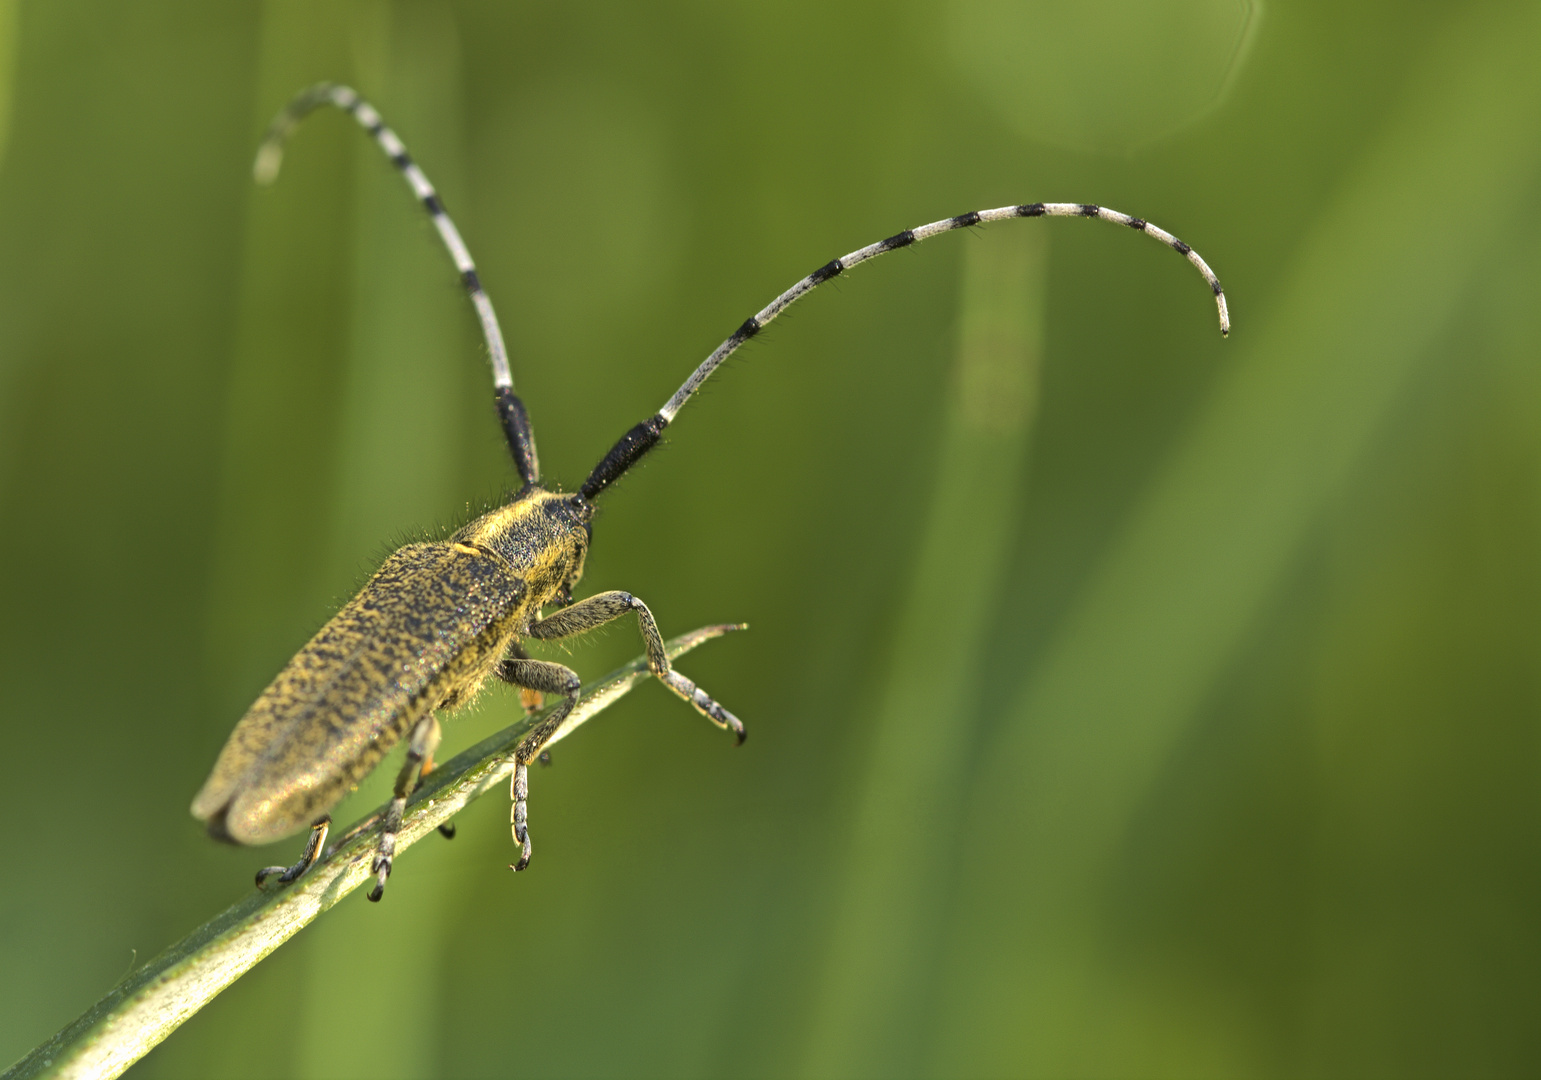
{"x":725,"y":720}
{"x":267,"y":872}
{"x":381,"y":867}
{"x":382,"y":871}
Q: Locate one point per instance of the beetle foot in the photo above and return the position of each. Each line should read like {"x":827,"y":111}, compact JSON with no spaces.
{"x":382,"y":865}
{"x":314,"y":845}
{"x":520,"y":815}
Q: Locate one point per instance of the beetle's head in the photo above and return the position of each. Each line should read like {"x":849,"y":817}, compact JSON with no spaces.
{"x":575,"y":514}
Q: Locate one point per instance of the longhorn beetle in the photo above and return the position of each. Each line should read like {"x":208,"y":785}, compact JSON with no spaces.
{"x":437,"y":620}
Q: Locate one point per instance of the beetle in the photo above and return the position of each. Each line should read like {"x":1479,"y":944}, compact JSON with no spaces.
{"x":439,"y":620}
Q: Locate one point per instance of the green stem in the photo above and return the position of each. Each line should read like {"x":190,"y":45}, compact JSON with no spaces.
{"x":154,"y":1000}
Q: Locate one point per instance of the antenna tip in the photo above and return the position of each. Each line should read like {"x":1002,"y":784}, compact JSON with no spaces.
{"x":269,"y":158}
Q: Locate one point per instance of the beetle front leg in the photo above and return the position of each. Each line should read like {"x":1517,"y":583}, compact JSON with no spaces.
{"x":420,"y":748}
{"x":548,"y":678}
{"x":606,"y":607}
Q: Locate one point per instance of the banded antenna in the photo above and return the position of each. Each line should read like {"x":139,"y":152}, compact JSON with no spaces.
{"x":270,"y":156}
{"x":642,"y":438}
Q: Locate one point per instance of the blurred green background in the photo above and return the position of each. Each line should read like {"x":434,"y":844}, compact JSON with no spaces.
{"x":1122,"y":701}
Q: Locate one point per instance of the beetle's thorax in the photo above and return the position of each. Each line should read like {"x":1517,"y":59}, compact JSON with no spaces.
{"x":545,"y":538}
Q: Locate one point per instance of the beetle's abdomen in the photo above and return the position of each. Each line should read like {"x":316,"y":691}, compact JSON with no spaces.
{"x":428,"y":625}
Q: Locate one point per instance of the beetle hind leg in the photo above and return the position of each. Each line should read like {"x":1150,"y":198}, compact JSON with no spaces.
{"x":314,"y":845}
{"x":424,"y":741}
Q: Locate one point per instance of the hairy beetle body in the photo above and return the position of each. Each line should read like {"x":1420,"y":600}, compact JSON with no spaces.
{"x":424,"y":633}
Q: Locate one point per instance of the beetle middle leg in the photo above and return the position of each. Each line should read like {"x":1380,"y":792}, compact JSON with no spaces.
{"x":530,"y":700}
{"x":548,"y":678}
{"x":446,"y":830}
{"x":424,"y":741}
{"x":606,"y":607}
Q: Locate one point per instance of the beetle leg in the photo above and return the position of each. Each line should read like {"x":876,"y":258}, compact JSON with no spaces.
{"x":313,"y":848}
{"x":594,"y":612}
{"x":518,"y":815}
{"x":447,"y":830}
{"x":531,"y":699}
{"x":551,"y":679}
{"x":424,"y":741}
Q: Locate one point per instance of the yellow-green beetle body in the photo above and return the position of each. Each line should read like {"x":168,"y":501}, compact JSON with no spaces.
{"x":424,"y":633}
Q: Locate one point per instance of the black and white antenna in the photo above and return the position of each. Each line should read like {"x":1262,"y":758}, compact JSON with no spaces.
{"x":270,"y":156}
{"x":640,"y":439}
{"x":755,"y":323}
